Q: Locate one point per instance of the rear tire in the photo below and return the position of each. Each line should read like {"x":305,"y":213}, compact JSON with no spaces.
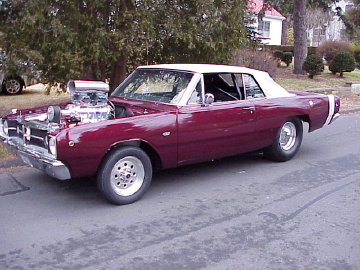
{"x":125,"y":175}
{"x":287,"y":142}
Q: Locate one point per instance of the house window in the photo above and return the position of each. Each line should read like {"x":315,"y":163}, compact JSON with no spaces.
{"x":264,"y":28}
{"x":318,"y":36}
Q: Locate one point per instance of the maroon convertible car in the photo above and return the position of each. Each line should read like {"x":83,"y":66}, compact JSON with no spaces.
{"x":160,"y":117}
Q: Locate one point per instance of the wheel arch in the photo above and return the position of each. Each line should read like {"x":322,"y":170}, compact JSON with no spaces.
{"x":145,"y":146}
{"x":307,"y":118}
{"x":304,"y":118}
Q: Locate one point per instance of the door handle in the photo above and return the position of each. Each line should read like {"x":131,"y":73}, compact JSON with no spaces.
{"x":251,"y":109}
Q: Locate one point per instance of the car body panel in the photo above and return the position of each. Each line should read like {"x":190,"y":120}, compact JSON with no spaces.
{"x":181,"y":133}
{"x":211,"y":131}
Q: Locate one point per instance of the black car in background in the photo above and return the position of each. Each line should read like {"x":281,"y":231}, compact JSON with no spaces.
{"x":11,"y":85}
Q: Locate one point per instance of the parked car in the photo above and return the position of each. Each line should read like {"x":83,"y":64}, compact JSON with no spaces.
{"x":11,"y":85}
{"x":160,"y":117}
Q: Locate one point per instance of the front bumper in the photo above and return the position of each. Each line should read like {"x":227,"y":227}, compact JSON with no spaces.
{"x":36,"y":158}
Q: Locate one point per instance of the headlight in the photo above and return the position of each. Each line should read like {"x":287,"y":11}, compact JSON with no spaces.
{"x":52,"y":145}
{"x":5,"y":127}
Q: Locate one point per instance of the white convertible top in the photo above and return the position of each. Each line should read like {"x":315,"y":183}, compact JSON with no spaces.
{"x":268,"y":85}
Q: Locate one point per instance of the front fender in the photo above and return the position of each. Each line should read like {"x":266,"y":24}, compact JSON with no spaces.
{"x":84,"y":147}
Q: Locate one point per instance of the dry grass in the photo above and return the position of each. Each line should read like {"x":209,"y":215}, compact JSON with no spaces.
{"x":349,"y":101}
{"x":30,"y":97}
{"x":3,"y":153}
{"x":290,"y":81}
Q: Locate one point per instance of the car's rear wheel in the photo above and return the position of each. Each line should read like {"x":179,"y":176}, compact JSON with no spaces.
{"x":13,"y":86}
{"x":287,"y":142}
{"x":125,"y":175}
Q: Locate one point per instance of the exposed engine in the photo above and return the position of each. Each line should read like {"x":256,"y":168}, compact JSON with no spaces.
{"x":89,"y":104}
{"x":36,"y":130}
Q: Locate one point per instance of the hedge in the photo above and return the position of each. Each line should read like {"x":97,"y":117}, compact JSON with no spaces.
{"x":289,"y":48}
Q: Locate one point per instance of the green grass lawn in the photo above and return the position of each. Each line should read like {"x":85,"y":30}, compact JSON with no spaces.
{"x":354,"y":74}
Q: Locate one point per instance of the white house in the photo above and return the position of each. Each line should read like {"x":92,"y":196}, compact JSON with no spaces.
{"x":270,"y":27}
{"x":333,"y":28}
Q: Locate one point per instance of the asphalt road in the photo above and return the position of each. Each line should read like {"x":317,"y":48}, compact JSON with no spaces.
{"x":236,"y":213}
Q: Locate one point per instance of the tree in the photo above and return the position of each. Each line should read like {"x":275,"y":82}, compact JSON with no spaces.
{"x":300,"y":38}
{"x":89,"y":39}
{"x":297,"y":9}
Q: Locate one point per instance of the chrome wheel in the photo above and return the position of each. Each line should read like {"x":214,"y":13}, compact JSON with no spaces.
{"x":13,"y":86}
{"x":287,"y":142}
{"x":287,"y":136}
{"x":127,"y":176}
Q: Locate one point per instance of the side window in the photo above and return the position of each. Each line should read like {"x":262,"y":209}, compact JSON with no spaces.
{"x":226,"y":77}
{"x":195,"y":97}
{"x":222,"y":86}
{"x":252,"y":89}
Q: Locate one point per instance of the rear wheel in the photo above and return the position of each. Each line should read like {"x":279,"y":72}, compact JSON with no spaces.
{"x":287,"y":142}
{"x":125,"y":175}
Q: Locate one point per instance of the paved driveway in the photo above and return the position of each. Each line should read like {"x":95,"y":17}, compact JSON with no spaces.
{"x":236,"y":213}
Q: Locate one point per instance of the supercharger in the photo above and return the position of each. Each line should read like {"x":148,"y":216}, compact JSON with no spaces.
{"x":89,"y":103}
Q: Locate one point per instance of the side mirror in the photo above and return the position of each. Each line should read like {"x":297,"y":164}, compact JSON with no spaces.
{"x":209,"y":98}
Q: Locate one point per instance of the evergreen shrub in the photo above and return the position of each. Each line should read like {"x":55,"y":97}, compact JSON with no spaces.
{"x":278,"y":55}
{"x":313,"y":65}
{"x":287,"y":58}
{"x":342,"y":62}
{"x":355,"y":49}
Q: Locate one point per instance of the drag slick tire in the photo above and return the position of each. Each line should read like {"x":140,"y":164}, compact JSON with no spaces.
{"x":287,"y":142}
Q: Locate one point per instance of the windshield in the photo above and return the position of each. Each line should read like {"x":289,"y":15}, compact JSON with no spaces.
{"x":165,"y":86}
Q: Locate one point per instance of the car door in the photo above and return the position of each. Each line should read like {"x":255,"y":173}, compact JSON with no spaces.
{"x":222,"y":128}
{"x":269,"y":115}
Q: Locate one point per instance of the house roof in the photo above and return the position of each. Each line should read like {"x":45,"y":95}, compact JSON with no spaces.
{"x":257,"y":5}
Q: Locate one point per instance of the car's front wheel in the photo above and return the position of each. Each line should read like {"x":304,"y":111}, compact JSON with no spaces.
{"x":125,"y":175}
{"x":12,"y":86}
{"x":287,"y":142}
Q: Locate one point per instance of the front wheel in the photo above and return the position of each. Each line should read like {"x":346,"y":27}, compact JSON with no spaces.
{"x":287,"y":142}
{"x":125,"y":175}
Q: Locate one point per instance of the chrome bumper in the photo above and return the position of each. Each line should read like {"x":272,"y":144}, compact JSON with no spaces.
{"x":36,"y":158}
{"x":336,"y":116}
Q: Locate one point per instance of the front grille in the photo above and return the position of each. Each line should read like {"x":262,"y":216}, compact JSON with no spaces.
{"x":29,"y":134}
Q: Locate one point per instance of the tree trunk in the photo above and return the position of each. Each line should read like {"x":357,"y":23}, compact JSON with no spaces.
{"x":284,"y":32}
{"x":300,"y":38}
{"x":118,"y":72}
{"x":88,"y":74}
